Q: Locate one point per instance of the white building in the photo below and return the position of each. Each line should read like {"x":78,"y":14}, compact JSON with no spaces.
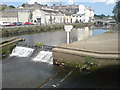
{"x":24,"y":16}
{"x":43,"y":14}
{"x":47,"y":16}
{"x":85,"y":14}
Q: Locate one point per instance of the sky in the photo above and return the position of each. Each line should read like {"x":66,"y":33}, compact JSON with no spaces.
{"x":99,"y":6}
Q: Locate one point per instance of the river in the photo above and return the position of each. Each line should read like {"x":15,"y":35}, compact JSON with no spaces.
{"x":23,"y":72}
{"x":59,"y":37}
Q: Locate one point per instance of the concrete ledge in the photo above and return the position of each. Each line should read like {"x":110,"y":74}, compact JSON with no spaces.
{"x":84,"y":53}
{"x":11,"y":41}
{"x":102,"y":49}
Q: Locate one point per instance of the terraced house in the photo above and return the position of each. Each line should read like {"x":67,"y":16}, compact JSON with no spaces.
{"x":44,"y":14}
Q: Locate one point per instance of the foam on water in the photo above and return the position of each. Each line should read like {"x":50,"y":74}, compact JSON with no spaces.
{"x":20,"y":51}
{"x":44,"y":56}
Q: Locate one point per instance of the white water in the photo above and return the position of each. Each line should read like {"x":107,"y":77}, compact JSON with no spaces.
{"x":44,"y":56}
{"x":20,"y":51}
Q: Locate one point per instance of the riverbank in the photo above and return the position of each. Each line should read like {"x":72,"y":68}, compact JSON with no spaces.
{"x":100,"y":50}
{"x":7,"y":46}
{"x":6,"y":32}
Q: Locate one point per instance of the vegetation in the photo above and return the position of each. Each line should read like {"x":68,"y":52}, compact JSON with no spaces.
{"x":100,"y":16}
{"x":116,"y":12}
{"x":109,"y":31}
{"x":2,"y":8}
{"x":39,"y":44}
{"x":6,"y":50}
{"x":23,"y":5}
{"x":36,"y":29}
{"x":11,"y":6}
{"x":86,"y":65}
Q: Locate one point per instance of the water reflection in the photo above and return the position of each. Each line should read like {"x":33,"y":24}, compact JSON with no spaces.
{"x":81,"y":34}
{"x":59,"y":37}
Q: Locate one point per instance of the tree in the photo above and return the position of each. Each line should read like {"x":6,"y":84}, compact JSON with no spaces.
{"x":11,"y":6}
{"x":23,"y":5}
{"x":116,"y":11}
{"x":2,"y":8}
{"x":100,"y":16}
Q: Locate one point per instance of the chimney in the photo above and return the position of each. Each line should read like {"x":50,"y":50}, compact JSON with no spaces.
{"x":60,"y":4}
{"x":54,"y":5}
{"x":35,"y":3}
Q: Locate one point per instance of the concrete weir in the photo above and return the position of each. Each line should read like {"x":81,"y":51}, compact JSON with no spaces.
{"x":101,"y":48}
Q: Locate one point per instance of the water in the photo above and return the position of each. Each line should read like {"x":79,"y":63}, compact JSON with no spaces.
{"x":30,"y":70}
{"x":44,"y":56}
{"x":22,"y":51}
{"x":59,"y":37}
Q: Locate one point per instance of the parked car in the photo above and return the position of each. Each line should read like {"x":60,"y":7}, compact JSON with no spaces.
{"x":4,"y":23}
{"x":28,"y":23}
{"x":18,"y":23}
{"x":11,"y":24}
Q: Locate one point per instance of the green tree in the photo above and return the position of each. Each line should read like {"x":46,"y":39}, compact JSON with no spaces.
{"x":100,"y":16}
{"x":23,"y":5}
{"x":2,"y":8}
{"x":116,"y":11}
{"x":11,"y":6}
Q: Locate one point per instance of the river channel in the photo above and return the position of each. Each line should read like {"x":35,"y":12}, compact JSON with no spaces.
{"x":23,"y":72}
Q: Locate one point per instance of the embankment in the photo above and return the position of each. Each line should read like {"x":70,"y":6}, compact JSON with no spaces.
{"x":98,"y":50}
{"x":6,"y":32}
{"x":7,"y":46}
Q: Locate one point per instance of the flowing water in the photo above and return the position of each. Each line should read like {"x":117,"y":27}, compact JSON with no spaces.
{"x":22,"y":51}
{"x":44,"y":56}
{"x":31,"y":67}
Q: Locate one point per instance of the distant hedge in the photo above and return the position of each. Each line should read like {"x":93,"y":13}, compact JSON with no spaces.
{"x":5,"y":32}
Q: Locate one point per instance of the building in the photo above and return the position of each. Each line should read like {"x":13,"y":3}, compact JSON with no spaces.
{"x":47,"y":16}
{"x":44,"y":14}
{"x":86,"y":14}
{"x":14,"y":15}
{"x":76,"y":13}
{"x":8,"y":16}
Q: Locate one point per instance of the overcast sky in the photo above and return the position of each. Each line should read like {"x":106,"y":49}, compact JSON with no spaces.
{"x":99,"y":6}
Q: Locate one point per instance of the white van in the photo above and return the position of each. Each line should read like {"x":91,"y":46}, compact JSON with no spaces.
{"x":4,"y":24}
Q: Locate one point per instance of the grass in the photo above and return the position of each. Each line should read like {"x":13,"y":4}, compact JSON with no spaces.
{"x":6,"y":50}
{"x":109,"y":31}
{"x":38,"y":44}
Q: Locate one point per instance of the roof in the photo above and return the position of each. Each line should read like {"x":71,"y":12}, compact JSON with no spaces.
{"x":16,"y":10}
{"x":67,"y":13}
{"x":8,"y":14}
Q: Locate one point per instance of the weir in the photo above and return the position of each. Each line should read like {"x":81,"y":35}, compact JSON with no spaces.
{"x":20,"y":51}
{"x":38,"y":54}
{"x":44,"y":56}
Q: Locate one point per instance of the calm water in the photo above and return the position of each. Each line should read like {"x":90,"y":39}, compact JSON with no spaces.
{"x":59,"y":37}
{"x":25,"y":73}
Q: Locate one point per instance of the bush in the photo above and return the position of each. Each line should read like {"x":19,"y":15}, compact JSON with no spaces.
{"x":38,"y":44}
